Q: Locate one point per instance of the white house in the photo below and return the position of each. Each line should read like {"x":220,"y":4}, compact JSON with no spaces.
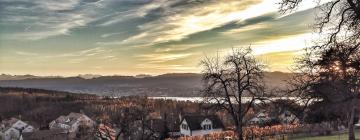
{"x":357,"y":124}
{"x":288,"y":117}
{"x":13,"y":129}
{"x":196,"y":125}
{"x":260,"y":117}
{"x":71,"y":122}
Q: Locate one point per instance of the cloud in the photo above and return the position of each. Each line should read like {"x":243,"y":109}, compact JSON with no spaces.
{"x":165,"y":35}
{"x":82,"y":53}
{"x":109,"y":58}
{"x":170,"y":68}
{"x":289,"y":43}
{"x":77,"y":60}
{"x":248,"y":28}
{"x":176,"y":22}
{"x":137,"y":12}
{"x":46,"y":18}
{"x":26,"y":53}
{"x":161,"y":58}
{"x":276,"y":28}
{"x":117,"y":17}
{"x":181,"y":47}
{"x":280,"y":61}
{"x":168,"y":61}
{"x":110,"y":34}
{"x":57,"y":5}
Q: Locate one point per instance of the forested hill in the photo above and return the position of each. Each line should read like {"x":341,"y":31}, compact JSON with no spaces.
{"x":46,"y":93}
{"x":179,"y":84}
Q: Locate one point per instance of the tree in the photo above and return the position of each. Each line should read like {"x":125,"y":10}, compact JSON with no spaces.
{"x":339,"y":19}
{"x":143,"y":110}
{"x":87,"y":132}
{"x":226,"y":81}
{"x":331,"y":77}
{"x":330,"y":71}
{"x":123,"y":121}
{"x":134,"y":122}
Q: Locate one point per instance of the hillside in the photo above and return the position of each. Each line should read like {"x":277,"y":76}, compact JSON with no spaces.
{"x":174,"y":84}
{"x":40,"y":107}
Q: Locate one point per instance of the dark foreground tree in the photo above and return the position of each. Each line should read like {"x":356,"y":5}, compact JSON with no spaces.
{"x":331,"y":77}
{"x":230,"y":78}
{"x":330,"y":71}
{"x":337,"y":20}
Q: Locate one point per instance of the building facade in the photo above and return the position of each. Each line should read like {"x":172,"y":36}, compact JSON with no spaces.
{"x":13,"y":129}
{"x":71,"y":122}
{"x":196,"y":125}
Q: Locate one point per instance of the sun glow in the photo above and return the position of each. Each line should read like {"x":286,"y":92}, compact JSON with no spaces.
{"x":155,"y":37}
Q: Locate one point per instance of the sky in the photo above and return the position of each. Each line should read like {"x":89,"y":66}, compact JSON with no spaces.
{"x":129,"y":37}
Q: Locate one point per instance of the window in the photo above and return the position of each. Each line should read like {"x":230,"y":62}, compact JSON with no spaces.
{"x":287,"y":114}
{"x":184,"y":126}
{"x":207,"y":127}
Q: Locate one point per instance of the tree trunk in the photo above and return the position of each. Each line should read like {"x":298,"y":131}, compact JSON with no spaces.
{"x":351,"y":123}
{"x":239,"y":132}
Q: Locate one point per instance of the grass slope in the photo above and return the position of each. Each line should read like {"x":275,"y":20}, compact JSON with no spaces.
{"x":333,"y":137}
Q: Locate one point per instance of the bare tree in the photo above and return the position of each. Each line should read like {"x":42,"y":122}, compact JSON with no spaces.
{"x":143,"y":111}
{"x":339,"y":19}
{"x":123,"y":121}
{"x":330,"y":71}
{"x":134,"y":122}
{"x":331,"y":76}
{"x":228,"y":80}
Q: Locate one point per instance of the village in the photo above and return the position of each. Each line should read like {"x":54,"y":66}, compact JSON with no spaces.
{"x":265,"y":123}
{"x":74,"y":124}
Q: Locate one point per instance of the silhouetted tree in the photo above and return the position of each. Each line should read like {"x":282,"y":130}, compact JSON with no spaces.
{"x":330,"y":71}
{"x":338,"y":19}
{"x":331,"y":76}
{"x":227,"y":80}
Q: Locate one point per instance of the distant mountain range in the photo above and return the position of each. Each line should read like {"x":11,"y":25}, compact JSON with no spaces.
{"x":173,"y":84}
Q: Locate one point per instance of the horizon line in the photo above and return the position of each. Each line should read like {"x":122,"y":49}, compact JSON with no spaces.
{"x":103,"y":75}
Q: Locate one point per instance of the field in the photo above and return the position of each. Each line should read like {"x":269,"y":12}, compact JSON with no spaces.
{"x":333,"y":137}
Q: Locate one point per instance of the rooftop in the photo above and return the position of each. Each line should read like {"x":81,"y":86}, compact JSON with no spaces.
{"x":194,"y":121}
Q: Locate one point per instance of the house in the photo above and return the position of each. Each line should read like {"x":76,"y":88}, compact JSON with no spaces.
{"x":260,"y":118}
{"x":357,"y":123}
{"x":287,"y":117}
{"x":72,"y":122}
{"x":13,"y":129}
{"x":55,"y":134}
{"x":196,"y":125}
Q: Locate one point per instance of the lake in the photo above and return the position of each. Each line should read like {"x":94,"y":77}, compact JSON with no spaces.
{"x":244,"y":99}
